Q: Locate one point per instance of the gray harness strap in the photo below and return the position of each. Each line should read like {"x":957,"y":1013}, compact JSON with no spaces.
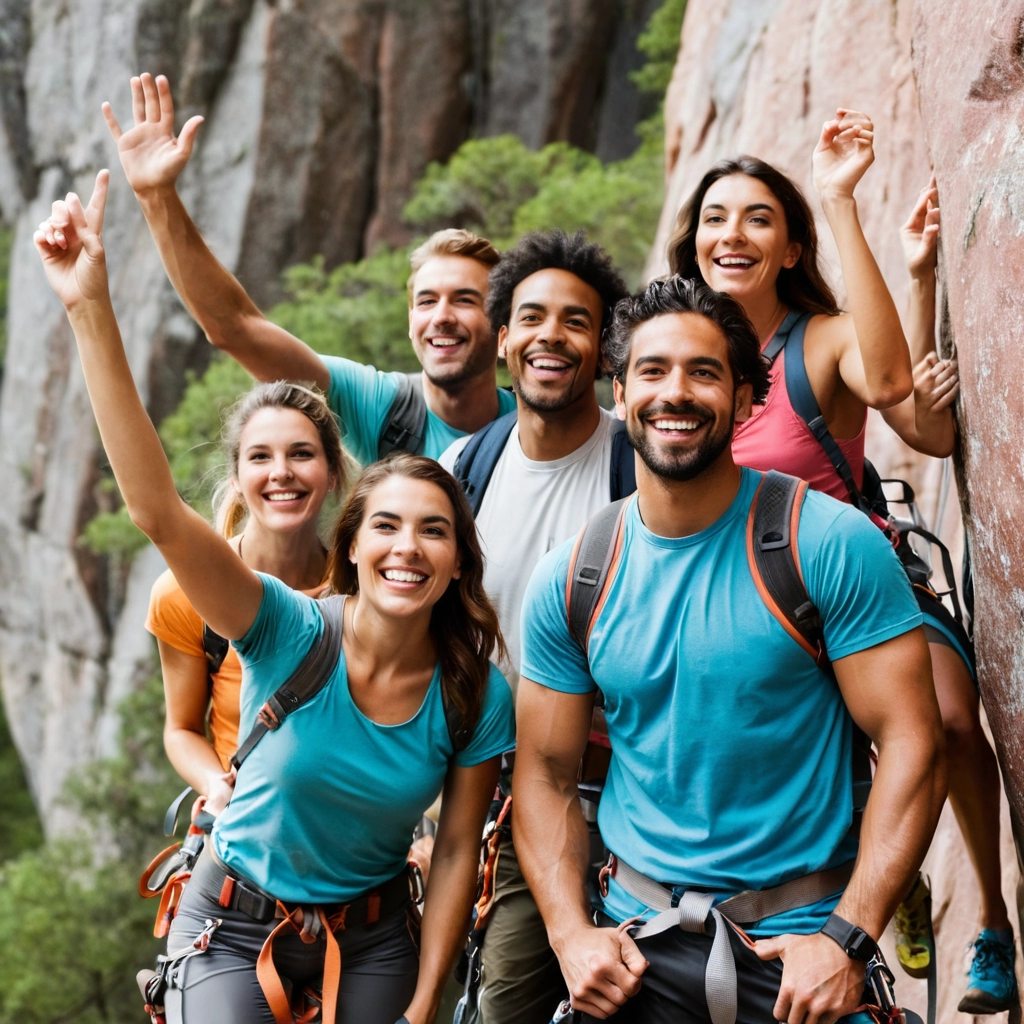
{"x":693,"y":909}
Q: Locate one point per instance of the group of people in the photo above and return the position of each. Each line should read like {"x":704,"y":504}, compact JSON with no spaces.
{"x":745,"y":637}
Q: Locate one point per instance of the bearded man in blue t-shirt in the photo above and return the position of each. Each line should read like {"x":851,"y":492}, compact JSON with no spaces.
{"x":731,"y":766}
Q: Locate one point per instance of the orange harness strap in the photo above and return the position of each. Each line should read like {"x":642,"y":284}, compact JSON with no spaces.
{"x":485,"y":903}
{"x":270,"y":980}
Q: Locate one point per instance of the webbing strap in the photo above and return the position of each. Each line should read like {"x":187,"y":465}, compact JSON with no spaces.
{"x":406,"y":424}
{"x":693,"y":909}
{"x":305,"y":682}
{"x":781,"y":336}
{"x":475,"y":464}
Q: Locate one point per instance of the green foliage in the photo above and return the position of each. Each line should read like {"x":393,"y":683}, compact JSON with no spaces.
{"x":659,"y":42}
{"x":19,"y":823}
{"x":73,"y":930}
{"x":6,"y":240}
{"x":358,"y":310}
{"x":113,"y":533}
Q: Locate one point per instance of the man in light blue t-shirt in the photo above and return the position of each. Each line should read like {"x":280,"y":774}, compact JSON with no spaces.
{"x":448,"y":327}
{"x":731,"y":766}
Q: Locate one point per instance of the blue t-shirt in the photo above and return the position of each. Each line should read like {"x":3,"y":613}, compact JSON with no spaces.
{"x":325,"y":806}
{"x":361,"y":397}
{"x":731,"y":749}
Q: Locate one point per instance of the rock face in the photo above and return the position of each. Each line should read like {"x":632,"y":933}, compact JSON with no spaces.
{"x":945,"y":86}
{"x":320,"y":115}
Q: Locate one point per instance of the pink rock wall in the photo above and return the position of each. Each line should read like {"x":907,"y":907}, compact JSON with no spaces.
{"x":944,"y":83}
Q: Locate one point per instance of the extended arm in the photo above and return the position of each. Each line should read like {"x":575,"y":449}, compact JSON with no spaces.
{"x":888,"y":690}
{"x":871,"y":351}
{"x":221,"y":588}
{"x":925,"y":420}
{"x":152,"y":159}
{"x":454,"y":866}
{"x":187,"y":696}
{"x":602,"y":966}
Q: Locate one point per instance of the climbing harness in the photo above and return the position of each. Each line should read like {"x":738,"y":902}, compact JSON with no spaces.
{"x":154,"y":984}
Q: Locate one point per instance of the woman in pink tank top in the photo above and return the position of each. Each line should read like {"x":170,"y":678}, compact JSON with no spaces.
{"x":747,"y":230}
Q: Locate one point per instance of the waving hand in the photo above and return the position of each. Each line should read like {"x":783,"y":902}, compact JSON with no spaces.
{"x":844,"y":152}
{"x":151,"y":155}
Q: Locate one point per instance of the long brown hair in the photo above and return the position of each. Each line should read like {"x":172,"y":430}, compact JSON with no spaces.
{"x":463,"y":623}
{"x":801,"y":287}
{"x":282,"y":394}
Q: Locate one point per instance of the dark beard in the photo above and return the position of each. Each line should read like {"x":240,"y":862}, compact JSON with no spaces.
{"x":678,"y":465}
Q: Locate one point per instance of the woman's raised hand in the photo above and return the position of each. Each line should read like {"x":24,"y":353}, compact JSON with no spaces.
{"x":920,"y":234}
{"x":844,"y":152}
{"x":70,"y":245}
{"x":936,"y":384}
{"x":151,"y":155}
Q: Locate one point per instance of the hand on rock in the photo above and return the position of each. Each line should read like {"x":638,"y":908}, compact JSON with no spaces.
{"x":70,"y":244}
{"x":151,"y":155}
{"x":920,"y":234}
{"x":936,"y":384}
{"x":844,"y":152}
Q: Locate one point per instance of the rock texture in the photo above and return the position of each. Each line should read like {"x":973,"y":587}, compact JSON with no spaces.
{"x":945,"y":86}
{"x":320,"y":115}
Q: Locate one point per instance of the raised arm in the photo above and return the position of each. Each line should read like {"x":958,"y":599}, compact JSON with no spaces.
{"x":871,"y":351}
{"x":221,"y":588}
{"x":888,"y":690}
{"x":925,"y":420}
{"x":453,"y":876}
{"x":601,"y":966}
{"x":152,"y":159}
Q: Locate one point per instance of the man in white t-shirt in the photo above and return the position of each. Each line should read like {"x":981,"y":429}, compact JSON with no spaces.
{"x":549,"y":300}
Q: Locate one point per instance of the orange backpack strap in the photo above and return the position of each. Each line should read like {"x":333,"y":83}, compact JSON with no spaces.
{"x":592,"y":566}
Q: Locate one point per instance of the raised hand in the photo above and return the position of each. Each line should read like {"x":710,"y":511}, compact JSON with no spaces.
{"x":844,"y":152}
{"x":920,"y":234}
{"x":151,"y":155}
{"x":70,"y":244}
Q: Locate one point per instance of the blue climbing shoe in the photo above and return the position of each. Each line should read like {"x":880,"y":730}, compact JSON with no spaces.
{"x":991,"y":981}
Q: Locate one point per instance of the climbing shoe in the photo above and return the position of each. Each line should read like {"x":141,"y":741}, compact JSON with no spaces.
{"x":915,"y":943}
{"x":991,"y":981}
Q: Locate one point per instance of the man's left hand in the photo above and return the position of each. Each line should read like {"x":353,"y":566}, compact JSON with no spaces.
{"x":820,"y":983}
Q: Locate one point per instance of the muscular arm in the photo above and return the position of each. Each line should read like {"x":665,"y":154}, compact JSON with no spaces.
{"x":152,"y":159}
{"x":454,"y":867}
{"x":602,"y":966}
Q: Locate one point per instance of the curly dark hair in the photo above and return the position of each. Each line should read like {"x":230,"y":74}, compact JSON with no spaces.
{"x":464,"y":624}
{"x":553,"y":250}
{"x":802,"y":286}
{"x":678,"y":294}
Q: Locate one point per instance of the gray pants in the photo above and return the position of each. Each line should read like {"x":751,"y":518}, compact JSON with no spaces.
{"x":522,"y":982}
{"x":379,"y":964}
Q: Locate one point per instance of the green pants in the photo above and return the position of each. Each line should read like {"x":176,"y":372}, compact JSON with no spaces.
{"x":522,"y":983}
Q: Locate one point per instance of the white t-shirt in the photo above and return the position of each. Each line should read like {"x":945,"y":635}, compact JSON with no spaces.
{"x":528,"y":509}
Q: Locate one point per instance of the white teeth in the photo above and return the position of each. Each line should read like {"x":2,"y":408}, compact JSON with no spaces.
{"x":676,"y":424}
{"x":735,"y":261}
{"x":547,"y":364}
{"x":444,"y":342}
{"x":401,"y":576}
{"x":283,"y":496}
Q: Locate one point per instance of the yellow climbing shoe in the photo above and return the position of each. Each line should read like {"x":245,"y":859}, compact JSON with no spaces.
{"x":914,"y":939}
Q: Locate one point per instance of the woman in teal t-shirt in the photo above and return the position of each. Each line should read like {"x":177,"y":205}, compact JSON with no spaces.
{"x":309,"y":856}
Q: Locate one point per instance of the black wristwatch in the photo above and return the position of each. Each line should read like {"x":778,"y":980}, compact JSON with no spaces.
{"x":855,"y":942}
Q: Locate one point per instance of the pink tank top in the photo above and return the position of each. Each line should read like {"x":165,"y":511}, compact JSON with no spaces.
{"x":776,"y":438}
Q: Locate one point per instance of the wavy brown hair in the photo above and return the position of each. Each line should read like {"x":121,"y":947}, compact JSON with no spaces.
{"x":463,"y":623}
{"x":802,"y":287}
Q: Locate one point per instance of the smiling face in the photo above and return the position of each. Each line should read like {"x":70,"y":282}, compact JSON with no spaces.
{"x":679,"y":400}
{"x":405,"y":550}
{"x":742,"y":241}
{"x":553,"y":339}
{"x":282,"y":472}
{"x":448,"y":327}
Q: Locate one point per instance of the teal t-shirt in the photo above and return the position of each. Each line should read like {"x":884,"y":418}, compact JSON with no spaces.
{"x":324,"y":807}
{"x":731,"y":753}
{"x":361,"y":396}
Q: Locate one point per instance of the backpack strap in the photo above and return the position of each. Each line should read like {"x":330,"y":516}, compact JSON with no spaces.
{"x":406,"y":425}
{"x":623,"y":464}
{"x":592,"y":566}
{"x":774,"y":559}
{"x":781,"y":336}
{"x":215,"y":647}
{"x":475,"y":464}
{"x":460,"y":732}
{"x":305,"y":682}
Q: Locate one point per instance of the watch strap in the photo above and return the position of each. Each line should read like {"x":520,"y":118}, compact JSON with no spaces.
{"x":854,"y":941}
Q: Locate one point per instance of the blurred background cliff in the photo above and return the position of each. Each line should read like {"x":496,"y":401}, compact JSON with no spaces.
{"x":337,"y":133}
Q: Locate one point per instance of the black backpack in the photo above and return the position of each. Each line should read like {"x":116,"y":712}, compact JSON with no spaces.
{"x":475,"y":464}
{"x":406,"y":425}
